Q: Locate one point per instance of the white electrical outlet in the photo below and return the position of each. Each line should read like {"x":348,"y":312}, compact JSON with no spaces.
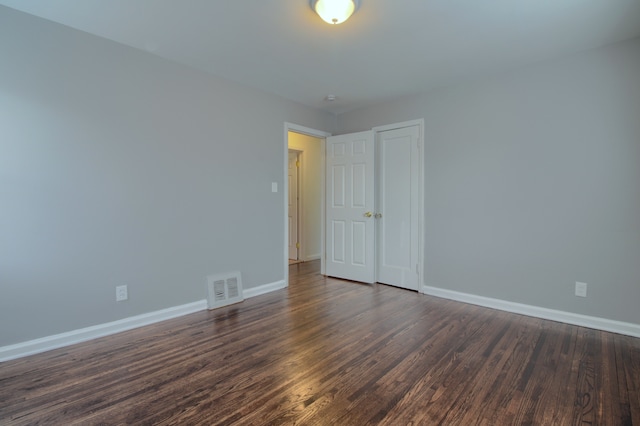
{"x":121,"y":293}
{"x":581,"y":289}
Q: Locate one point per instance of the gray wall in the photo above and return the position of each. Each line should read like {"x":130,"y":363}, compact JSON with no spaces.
{"x":118,"y":167}
{"x":533,"y":182}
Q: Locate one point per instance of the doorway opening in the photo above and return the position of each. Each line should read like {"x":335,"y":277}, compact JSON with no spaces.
{"x":304,"y":195}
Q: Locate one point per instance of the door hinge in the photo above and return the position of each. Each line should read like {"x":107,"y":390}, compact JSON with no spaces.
{"x":297,"y":245}
{"x":297,"y":163}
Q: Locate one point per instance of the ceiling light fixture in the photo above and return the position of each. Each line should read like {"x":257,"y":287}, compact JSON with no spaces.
{"x":335,"y":11}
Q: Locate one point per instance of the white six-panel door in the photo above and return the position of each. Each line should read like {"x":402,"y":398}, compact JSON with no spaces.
{"x":350,"y":229}
{"x":397,"y":186}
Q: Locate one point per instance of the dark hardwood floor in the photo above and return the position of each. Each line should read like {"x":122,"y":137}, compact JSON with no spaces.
{"x":330,"y":352}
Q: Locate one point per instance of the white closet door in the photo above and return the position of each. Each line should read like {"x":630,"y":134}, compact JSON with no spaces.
{"x":397,"y":200}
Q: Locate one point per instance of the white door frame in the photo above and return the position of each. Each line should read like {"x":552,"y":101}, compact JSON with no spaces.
{"x":421,"y":150}
{"x":290,"y":127}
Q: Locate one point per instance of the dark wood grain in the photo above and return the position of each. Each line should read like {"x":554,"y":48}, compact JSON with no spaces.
{"x":331,"y":352}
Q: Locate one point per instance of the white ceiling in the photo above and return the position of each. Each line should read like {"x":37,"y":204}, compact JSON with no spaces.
{"x":389,"y":48}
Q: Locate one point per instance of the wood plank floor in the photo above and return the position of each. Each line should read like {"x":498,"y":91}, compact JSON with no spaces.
{"x":330,"y":352}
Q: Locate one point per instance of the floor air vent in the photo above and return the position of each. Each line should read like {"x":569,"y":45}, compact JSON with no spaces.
{"x":224,"y":290}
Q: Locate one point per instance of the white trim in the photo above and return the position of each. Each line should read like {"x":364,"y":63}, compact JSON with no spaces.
{"x":304,"y":130}
{"x":301,"y":207}
{"x":263,"y":289}
{"x":323,"y":191}
{"x":56,"y":341}
{"x":312,"y":257}
{"x":401,"y":125}
{"x":597,"y":323}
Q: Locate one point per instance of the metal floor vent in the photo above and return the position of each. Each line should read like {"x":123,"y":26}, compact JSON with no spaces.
{"x":223,"y":290}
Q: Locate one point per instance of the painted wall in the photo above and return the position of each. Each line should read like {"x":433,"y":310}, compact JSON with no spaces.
{"x":118,"y":167}
{"x":311,"y":192}
{"x":533,"y":182}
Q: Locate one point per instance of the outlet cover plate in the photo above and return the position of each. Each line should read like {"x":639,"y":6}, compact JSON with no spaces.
{"x":121,"y":293}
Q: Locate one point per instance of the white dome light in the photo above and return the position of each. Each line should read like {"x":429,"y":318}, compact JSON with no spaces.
{"x":334,"y":11}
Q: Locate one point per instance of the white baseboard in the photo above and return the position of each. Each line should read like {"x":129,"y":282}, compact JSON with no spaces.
{"x":597,"y":323}
{"x":263,"y":289}
{"x":312,"y":257}
{"x":56,"y":341}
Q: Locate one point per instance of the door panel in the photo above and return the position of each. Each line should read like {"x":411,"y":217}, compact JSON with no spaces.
{"x":359,"y":173}
{"x":350,"y":191}
{"x":338,"y":241}
{"x":359,"y":247}
{"x":338,"y":176}
{"x":397,"y":201}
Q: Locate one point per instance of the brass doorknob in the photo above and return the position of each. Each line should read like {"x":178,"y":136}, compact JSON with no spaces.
{"x":368,"y":214}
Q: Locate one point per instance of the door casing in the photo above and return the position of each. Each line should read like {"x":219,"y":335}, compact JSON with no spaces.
{"x":291,"y":127}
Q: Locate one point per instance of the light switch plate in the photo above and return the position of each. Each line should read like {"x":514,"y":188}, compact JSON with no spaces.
{"x":581,"y":289}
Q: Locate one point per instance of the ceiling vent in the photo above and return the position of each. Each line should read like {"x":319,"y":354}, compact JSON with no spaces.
{"x":223,"y":290}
